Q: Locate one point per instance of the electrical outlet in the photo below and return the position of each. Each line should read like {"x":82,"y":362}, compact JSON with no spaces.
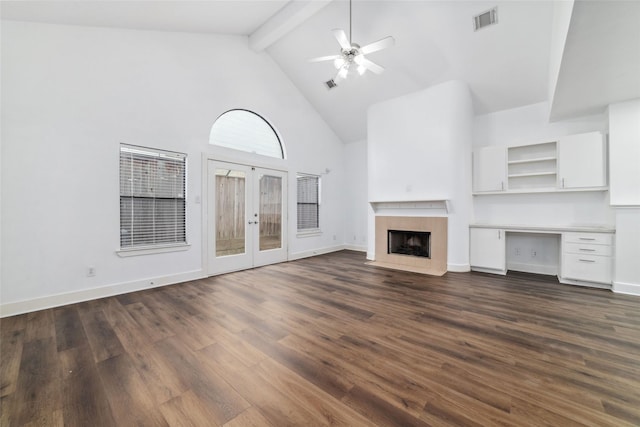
{"x":91,"y":271}
{"x":533,"y":253}
{"x":334,"y":237}
{"x":518,"y":251}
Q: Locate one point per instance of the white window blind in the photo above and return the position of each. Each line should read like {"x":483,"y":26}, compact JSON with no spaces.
{"x":308,"y":202}
{"x":152,"y":197}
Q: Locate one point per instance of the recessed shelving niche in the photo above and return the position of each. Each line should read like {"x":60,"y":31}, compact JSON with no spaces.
{"x":532,"y":166}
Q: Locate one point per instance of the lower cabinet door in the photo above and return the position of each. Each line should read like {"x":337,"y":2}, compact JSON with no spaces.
{"x":487,"y":248}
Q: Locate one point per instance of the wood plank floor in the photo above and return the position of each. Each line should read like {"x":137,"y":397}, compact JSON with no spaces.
{"x":329,"y":341}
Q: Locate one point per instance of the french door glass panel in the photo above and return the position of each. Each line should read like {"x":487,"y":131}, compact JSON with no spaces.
{"x":247,"y":220}
{"x":270,"y":212}
{"x":230,"y":212}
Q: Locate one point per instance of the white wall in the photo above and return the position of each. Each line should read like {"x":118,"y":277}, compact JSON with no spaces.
{"x":527,"y":125}
{"x":419,"y":148}
{"x":72,"y":94}
{"x":624,"y":153}
{"x":627,"y":268}
{"x":356,"y":195}
{"x":562,"y":11}
{"x":624,"y":161}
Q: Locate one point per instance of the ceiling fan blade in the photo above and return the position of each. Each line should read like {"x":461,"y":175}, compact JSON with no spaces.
{"x":341,"y":36}
{"x":378,"y":45}
{"x":325,"y":58}
{"x":369,"y":65}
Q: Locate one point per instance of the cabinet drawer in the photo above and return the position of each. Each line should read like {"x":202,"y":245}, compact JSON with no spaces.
{"x":591,"y":268}
{"x":595,"y":238}
{"x":586,"y":249}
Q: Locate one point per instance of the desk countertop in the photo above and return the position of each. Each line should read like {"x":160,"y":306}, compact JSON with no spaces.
{"x":548,"y":229}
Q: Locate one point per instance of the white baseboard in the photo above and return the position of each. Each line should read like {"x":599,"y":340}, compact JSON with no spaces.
{"x":565,"y":281}
{"x":549,"y":270}
{"x":489,"y":270}
{"x":626,"y":288}
{"x":356,"y":248}
{"x":371,"y":256}
{"x":50,"y":301}
{"x":314,"y":252}
{"x":458,"y":268}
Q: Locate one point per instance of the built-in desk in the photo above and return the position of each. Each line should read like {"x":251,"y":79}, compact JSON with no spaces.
{"x":585,"y":252}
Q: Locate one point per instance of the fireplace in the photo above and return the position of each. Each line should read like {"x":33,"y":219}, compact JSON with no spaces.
{"x":412,"y":243}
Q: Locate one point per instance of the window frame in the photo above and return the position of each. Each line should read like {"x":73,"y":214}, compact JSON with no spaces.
{"x":311,"y":231}
{"x":160,"y":247}
{"x":243,"y":150}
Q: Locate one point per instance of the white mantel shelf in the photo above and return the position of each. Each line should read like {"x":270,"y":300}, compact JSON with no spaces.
{"x":439,"y":204}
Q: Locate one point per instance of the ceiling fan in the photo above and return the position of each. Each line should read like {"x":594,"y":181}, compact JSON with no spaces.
{"x":352,"y":55}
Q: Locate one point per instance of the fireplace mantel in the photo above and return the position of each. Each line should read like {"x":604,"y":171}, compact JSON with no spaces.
{"x":435,"y":204}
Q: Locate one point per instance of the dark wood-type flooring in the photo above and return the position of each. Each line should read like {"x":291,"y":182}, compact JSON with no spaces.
{"x":329,"y":341}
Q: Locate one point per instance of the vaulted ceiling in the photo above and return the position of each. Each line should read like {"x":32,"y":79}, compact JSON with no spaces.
{"x":505,"y":65}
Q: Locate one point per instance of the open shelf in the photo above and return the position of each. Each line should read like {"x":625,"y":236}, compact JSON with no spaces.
{"x":522,"y":175}
{"x":539,"y":159}
{"x":532,"y":166}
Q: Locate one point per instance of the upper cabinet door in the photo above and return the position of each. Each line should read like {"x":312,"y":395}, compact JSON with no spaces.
{"x":489,"y":169}
{"x":582,"y":161}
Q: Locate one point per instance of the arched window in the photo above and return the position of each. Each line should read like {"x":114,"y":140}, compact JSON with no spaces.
{"x":246,"y":131}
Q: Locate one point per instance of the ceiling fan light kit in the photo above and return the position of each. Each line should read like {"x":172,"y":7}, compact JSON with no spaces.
{"x":352,"y":56}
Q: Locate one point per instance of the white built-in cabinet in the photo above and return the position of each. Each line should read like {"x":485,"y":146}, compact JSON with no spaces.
{"x":489,"y":169}
{"x":586,"y":256}
{"x":487,"y":250}
{"x":572,"y":163}
{"x":581,"y":160}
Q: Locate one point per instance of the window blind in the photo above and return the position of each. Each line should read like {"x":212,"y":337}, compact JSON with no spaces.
{"x":308,"y":202}
{"x":152,"y":197}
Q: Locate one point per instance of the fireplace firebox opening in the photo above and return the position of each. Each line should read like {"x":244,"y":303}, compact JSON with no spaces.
{"x":414,"y":243}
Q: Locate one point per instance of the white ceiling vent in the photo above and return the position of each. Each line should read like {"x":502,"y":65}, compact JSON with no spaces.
{"x":485,"y":19}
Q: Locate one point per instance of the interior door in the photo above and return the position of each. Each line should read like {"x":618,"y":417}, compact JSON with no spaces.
{"x":247,"y":217}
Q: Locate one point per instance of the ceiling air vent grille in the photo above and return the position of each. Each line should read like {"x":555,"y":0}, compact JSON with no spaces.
{"x":330,"y":84}
{"x":485,"y":19}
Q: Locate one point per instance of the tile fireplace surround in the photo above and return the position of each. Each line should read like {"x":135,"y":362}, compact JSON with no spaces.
{"x":437,"y":226}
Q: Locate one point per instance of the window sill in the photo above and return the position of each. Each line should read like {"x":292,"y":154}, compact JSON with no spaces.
{"x":150,"y":250}
{"x":309,"y":233}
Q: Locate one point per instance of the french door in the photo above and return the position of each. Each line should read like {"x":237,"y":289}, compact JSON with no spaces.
{"x":247,"y":216}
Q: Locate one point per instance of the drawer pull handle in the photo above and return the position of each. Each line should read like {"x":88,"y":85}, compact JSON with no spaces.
{"x":587,"y":250}
{"x":586,"y":260}
{"x":586,"y":238}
